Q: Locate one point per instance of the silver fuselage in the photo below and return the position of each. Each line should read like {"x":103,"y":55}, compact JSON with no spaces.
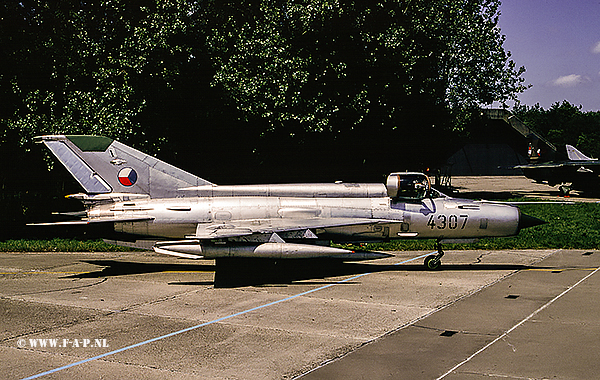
{"x":440,"y":218}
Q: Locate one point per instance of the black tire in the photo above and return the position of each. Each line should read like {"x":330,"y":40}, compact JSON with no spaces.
{"x":431,"y":263}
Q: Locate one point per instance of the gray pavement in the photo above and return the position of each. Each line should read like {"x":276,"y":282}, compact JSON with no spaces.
{"x":498,"y":187}
{"x":382,"y":319}
{"x":539,"y":323}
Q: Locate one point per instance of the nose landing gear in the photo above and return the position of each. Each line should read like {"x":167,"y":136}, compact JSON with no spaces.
{"x":433,"y":262}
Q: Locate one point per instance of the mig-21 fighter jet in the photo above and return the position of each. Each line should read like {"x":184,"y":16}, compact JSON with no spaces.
{"x":193,"y":218}
{"x":579,"y":172}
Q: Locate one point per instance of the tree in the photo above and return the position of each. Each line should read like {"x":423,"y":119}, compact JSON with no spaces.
{"x":376,"y":77}
{"x":82,"y":67}
{"x":348,"y":71}
{"x":331,"y":65}
{"x":564,"y":123}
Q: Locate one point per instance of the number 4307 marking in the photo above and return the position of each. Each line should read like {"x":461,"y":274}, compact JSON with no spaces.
{"x":441,"y":221}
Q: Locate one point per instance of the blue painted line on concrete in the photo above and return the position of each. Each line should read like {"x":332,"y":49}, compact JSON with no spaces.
{"x":208,"y":323}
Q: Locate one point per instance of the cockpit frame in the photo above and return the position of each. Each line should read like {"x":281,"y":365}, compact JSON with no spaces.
{"x":409,"y":186}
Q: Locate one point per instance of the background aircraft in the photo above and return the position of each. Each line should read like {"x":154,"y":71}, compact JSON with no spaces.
{"x":193,"y":218}
{"x":579,"y":172}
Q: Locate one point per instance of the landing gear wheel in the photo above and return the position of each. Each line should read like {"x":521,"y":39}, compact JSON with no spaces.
{"x":564,"y":190}
{"x":432,"y":262}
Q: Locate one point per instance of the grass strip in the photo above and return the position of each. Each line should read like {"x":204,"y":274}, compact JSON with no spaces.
{"x":60,"y":245}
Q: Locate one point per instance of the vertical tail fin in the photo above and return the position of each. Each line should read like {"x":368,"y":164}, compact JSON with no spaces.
{"x":103,"y":165}
{"x":576,"y":155}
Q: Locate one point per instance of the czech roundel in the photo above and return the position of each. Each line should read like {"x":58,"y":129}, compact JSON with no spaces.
{"x":127,"y":177}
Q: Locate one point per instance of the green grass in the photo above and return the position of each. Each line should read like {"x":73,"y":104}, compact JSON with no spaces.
{"x":60,"y":245}
{"x":569,"y":226}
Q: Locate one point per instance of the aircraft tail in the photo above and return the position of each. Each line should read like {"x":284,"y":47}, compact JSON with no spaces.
{"x":102,"y":165}
{"x":576,"y":155}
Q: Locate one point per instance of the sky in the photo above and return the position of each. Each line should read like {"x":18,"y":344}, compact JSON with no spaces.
{"x":558,"y":42}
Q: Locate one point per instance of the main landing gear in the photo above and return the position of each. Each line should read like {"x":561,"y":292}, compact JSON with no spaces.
{"x":564,"y":190}
{"x":433,"y":262}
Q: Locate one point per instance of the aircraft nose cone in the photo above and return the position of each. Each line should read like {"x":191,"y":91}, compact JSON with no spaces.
{"x":526,"y":221}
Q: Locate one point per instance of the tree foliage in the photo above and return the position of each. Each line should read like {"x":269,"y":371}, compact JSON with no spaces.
{"x":332,"y":65}
{"x":82,"y":67}
{"x":298,"y":67}
{"x":564,"y":123}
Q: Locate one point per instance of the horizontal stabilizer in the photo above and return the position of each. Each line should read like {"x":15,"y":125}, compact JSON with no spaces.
{"x":74,"y":214}
{"x":93,"y":220}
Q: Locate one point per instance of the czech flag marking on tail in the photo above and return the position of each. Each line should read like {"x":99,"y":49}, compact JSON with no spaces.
{"x":127,"y":177}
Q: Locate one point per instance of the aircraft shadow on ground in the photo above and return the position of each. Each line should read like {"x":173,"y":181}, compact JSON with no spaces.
{"x":232,"y":273}
{"x":112,"y":268}
{"x":321,"y":271}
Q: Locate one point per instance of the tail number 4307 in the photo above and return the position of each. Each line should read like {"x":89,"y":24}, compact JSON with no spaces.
{"x":452,"y":221}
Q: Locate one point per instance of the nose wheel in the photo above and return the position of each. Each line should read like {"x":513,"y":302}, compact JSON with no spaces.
{"x":564,"y":190}
{"x":433,"y":262}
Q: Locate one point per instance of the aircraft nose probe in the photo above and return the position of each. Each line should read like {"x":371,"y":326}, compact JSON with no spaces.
{"x":526,"y":221}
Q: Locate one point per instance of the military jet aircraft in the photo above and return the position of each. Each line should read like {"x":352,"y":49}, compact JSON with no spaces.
{"x":579,"y":172}
{"x":193,"y":218}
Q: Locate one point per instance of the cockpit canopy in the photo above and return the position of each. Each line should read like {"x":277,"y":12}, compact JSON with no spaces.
{"x":408,"y":186}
